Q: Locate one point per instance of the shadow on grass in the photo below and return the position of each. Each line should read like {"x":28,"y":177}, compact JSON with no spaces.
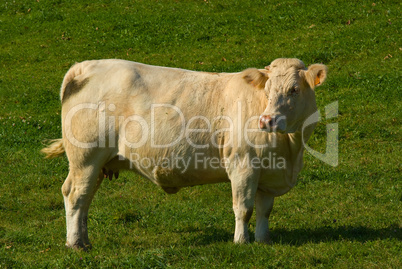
{"x":330,"y":234}
{"x":206,"y":235}
{"x":298,"y":237}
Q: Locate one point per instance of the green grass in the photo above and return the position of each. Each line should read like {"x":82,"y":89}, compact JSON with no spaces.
{"x":349,"y":216}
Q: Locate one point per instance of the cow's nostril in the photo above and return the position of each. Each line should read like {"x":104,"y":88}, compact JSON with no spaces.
{"x":265,"y":121}
{"x":272,"y":122}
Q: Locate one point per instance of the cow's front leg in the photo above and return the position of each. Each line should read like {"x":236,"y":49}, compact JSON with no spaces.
{"x":243,"y":191}
{"x":263,"y":207}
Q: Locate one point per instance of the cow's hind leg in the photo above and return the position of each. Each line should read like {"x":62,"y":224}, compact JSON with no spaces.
{"x":78,"y":191}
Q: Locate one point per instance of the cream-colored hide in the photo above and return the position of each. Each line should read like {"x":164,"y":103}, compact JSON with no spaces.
{"x":182,"y":128}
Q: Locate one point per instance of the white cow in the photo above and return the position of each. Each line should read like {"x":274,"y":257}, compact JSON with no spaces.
{"x":182,"y":128}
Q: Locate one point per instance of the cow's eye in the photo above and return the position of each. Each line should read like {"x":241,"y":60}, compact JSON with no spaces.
{"x":294,"y":91}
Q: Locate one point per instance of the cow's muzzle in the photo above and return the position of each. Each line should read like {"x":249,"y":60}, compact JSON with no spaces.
{"x":272,"y":123}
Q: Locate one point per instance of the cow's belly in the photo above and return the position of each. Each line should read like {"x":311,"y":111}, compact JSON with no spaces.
{"x":172,"y":178}
{"x":169,"y":173}
{"x":170,"y":169}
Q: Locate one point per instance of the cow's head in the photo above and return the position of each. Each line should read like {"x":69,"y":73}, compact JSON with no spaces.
{"x":289,"y":87}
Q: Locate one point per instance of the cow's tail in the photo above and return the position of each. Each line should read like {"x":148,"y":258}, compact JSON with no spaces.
{"x":70,"y":81}
{"x":55,"y":149}
{"x":69,"y":85}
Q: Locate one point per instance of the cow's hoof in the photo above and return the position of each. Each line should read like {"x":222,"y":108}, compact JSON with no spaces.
{"x":79,"y":246}
{"x":88,"y":246}
{"x":265,"y":241}
{"x":263,"y":238}
{"x":241,"y":240}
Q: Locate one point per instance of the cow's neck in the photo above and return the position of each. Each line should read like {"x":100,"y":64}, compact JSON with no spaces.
{"x":295,"y":142}
{"x":296,"y":146}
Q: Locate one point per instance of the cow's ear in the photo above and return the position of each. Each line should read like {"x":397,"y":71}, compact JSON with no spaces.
{"x":316,"y":75}
{"x":255,"y":77}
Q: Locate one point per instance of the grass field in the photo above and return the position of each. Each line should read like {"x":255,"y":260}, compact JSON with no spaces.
{"x":349,"y":216}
